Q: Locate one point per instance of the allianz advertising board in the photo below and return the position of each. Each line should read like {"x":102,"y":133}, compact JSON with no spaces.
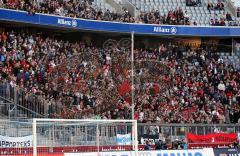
{"x":194,"y":152}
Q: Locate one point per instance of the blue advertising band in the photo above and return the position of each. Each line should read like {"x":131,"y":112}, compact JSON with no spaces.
{"x":105,"y":26}
{"x":226,"y":152}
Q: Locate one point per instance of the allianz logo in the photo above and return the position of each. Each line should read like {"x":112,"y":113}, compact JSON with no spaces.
{"x":172,"y":30}
{"x":72,"y":23}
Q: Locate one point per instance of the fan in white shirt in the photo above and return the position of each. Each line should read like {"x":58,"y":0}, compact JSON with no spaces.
{"x":221,"y":86}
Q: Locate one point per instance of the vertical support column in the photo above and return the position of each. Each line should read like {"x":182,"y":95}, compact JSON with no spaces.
{"x":132,"y":74}
{"x":34,"y":129}
{"x":97,"y":139}
{"x":15,"y":95}
{"x":15,"y":101}
{"x":204,"y":130}
{"x":86,"y":133}
{"x":175,"y":132}
{"x":232,"y":46}
{"x":135,"y":138}
{"x":53,"y":136}
{"x":186,"y":138}
{"x":171,"y":134}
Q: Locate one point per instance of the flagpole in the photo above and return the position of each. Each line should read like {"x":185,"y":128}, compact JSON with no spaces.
{"x":132,"y":73}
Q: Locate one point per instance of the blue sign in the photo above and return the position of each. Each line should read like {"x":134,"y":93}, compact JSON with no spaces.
{"x":195,"y":152}
{"x":226,"y":152}
{"x":105,"y":26}
{"x":185,"y":153}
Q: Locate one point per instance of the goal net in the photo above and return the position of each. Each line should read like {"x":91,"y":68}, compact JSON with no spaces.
{"x":70,"y":136}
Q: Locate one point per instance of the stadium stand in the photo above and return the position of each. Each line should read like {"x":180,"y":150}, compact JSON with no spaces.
{"x":81,"y":9}
{"x":185,"y":88}
{"x":172,"y":86}
{"x":199,"y":12}
{"x":173,"y":12}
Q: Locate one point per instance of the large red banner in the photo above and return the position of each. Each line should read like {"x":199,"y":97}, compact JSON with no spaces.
{"x":212,"y":138}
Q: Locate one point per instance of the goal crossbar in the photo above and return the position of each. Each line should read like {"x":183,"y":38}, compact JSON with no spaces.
{"x":96,"y":122}
{"x":83,"y":120}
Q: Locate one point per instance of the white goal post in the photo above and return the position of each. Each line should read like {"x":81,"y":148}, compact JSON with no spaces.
{"x":83,"y":135}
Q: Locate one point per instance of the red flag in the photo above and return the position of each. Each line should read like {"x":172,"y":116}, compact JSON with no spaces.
{"x":124,"y":88}
{"x":210,"y":138}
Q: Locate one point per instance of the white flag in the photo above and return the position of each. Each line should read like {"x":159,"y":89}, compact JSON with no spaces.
{"x":124,"y":139}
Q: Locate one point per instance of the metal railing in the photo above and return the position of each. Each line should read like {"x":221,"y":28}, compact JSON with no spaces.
{"x":115,"y":5}
{"x":17,"y":103}
{"x":133,"y":10}
{"x":69,"y":136}
{"x":231,"y":8}
{"x":172,"y":132}
{"x":67,"y":131}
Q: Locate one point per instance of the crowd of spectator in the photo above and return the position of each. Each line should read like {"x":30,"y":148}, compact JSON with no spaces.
{"x":77,"y":80}
{"x":222,"y":22}
{"x":216,"y":22}
{"x":223,"y":19}
{"x":174,"y":17}
{"x":215,"y":6}
{"x":75,"y":9}
{"x":200,"y":85}
{"x":193,"y":3}
{"x":234,"y":23}
{"x":85,"y":9}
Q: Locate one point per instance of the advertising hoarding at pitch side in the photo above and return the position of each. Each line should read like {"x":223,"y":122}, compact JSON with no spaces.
{"x":195,"y":152}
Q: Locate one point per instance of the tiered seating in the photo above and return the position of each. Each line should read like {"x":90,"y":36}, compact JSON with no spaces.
{"x":233,"y":59}
{"x":162,"y":5}
{"x":80,"y":81}
{"x":100,"y":4}
{"x":199,"y":13}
